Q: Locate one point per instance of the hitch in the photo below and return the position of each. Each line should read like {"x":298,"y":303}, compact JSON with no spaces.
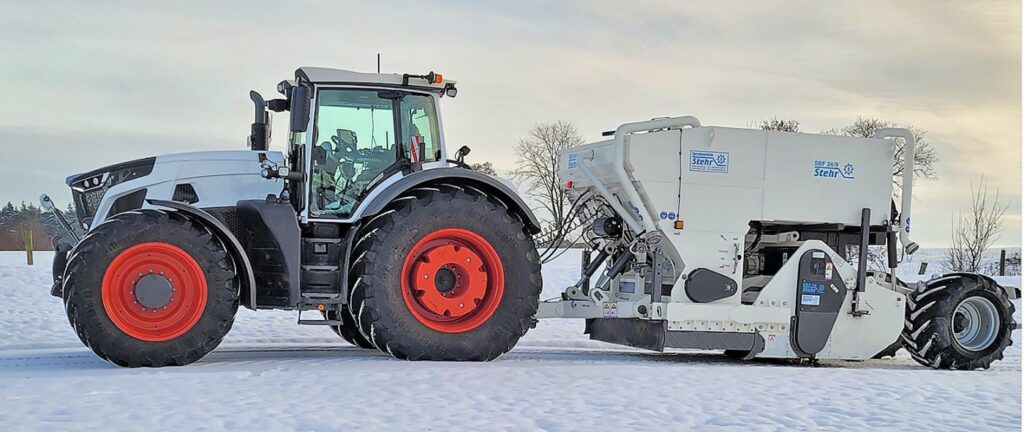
{"x":47,"y":204}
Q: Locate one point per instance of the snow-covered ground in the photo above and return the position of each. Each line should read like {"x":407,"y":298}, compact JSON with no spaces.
{"x":271,"y":374}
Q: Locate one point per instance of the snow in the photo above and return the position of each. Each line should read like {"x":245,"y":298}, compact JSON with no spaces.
{"x":271,"y":374}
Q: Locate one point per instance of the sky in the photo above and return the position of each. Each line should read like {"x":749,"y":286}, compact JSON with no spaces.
{"x":89,"y":84}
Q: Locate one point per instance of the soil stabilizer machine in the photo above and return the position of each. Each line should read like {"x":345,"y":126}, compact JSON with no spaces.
{"x":700,"y":237}
{"x":738,"y":240}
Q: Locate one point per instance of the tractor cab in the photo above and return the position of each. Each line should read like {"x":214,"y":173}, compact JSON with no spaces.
{"x":351,"y":131}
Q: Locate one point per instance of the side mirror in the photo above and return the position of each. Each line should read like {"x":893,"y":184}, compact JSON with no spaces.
{"x":299,"y":108}
{"x":460,"y":155}
{"x":259,"y":137}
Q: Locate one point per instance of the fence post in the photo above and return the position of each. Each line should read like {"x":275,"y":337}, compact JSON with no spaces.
{"x":27,"y":237}
{"x":1002,"y":262}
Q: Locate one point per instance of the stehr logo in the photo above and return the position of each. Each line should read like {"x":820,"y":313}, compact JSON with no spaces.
{"x":833,"y":169}
{"x":573,"y":160}
{"x":709,"y":161}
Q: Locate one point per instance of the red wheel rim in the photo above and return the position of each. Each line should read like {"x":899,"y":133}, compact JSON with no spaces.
{"x":162,"y":265}
{"x":452,"y":280}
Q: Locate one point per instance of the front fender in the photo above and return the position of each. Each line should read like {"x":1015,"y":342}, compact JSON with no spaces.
{"x":242,"y":264}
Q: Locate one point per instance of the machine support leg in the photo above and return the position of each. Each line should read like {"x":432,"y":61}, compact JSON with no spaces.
{"x":584,"y":277}
{"x":862,"y":261}
{"x":890,"y":243}
{"x":654,"y":277}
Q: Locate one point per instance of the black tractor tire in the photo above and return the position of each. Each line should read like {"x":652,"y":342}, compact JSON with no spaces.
{"x":391,"y":314}
{"x":936,"y":321}
{"x":348,"y":330}
{"x":183,"y":248}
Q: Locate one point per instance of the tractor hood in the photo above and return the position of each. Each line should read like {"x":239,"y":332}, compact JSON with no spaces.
{"x":206,"y":179}
{"x":142,"y":167}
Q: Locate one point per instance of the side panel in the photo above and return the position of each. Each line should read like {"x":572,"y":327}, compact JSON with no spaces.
{"x":820,"y":295}
{"x":274,"y":242}
{"x":804,"y":174}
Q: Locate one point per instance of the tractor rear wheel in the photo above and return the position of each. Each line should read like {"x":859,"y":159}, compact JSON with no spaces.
{"x":445,"y":274}
{"x":958,"y":321}
{"x":348,"y":329}
{"x":150,"y":288}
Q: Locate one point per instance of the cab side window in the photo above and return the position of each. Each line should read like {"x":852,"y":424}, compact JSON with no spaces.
{"x":420,"y":136}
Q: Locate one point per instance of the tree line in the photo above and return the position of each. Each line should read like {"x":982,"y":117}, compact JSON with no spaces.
{"x":17,"y":221}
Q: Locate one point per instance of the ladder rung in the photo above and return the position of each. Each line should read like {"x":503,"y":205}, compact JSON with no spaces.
{"x":320,"y":322}
{"x":320,"y":268}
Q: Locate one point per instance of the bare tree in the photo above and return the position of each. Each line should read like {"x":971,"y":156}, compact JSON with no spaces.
{"x":925,"y":156}
{"x":975,"y":230}
{"x":537,"y":166}
{"x":484,"y":167}
{"x":781,"y":125}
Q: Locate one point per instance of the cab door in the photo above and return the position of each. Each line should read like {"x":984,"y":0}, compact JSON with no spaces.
{"x":354,"y":140}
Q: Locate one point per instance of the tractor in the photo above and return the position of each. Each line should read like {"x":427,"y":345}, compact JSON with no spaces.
{"x":368,"y":221}
{"x":755,"y":243}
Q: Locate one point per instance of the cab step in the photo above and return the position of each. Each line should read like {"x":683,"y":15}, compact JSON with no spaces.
{"x":320,"y":322}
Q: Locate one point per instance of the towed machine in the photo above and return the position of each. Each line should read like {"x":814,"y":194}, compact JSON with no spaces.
{"x":751,"y":242}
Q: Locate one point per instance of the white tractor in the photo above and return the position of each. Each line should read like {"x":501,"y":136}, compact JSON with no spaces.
{"x":706,"y":237}
{"x":368,"y":219}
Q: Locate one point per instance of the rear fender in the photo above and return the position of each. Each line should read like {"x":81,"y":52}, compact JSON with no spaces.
{"x":457,"y":177}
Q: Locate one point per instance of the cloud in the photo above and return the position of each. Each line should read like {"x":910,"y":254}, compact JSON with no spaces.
{"x":94,"y":83}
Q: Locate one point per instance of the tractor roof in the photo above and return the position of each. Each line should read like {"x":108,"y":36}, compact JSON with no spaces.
{"x":319,"y":75}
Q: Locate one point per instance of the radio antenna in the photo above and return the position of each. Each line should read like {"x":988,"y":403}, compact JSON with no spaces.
{"x":378,"y":62}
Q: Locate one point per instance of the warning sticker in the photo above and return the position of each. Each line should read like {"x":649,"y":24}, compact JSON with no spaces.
{"x":810,"y":300}
{"x":828,"y":271}
{"x":611,"y":310}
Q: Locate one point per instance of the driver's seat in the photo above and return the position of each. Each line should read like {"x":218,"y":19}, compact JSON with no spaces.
{"x":344,"y":138}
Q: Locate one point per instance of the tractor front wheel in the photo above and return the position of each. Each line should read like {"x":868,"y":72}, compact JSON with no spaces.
{"x":150,"y":288}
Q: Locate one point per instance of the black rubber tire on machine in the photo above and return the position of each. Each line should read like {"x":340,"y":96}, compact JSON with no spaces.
{"x":150,"y":288}
{"x":445,"y":273}
{"x":348,"y":330}
{"x":961,"y":321}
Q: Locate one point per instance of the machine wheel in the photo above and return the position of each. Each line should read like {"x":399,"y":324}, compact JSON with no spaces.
{"x":348,"y":330}
{"x":150,"y":288}
{"x":958,"y":322}
{"x":445,"y":274}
